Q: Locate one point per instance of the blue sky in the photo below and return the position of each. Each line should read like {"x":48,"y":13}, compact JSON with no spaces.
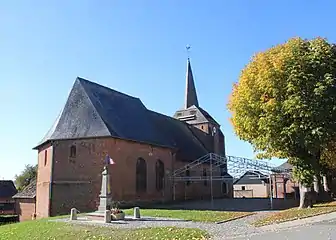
{"x":137,"y":47}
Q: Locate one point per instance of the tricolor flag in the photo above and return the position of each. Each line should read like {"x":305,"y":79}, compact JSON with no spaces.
{"x":109,"y":160}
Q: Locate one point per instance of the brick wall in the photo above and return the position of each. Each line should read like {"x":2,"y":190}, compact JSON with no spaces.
{"x":77,"y":180}
{"x":43,"y":180}
{"x":281,"y":186}
{"x":25,"y":208}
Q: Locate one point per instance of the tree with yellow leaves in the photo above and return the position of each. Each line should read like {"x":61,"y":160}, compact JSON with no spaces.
{"x":284,"y":105}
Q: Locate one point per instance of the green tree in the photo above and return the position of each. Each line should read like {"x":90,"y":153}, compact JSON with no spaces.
{"x":284,"y":105}
{"x":25,"y":177}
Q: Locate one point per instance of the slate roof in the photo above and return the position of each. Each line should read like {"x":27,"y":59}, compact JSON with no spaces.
{"x":252,"y":177}
{"x":27,"y":192}
{"x":7,"y":189}
{"x":93,"y":110}
{"x":179,"y":136}
{"x":190,"y":94}
{"x":194,"y":115}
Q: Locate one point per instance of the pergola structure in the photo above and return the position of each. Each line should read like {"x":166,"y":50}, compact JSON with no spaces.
{"x":234,"y":166}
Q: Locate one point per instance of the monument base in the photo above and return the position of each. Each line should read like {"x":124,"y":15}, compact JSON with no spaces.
{"x":98,"y":215}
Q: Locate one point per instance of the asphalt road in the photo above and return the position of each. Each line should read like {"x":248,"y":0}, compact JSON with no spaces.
{"x":320,"y":231}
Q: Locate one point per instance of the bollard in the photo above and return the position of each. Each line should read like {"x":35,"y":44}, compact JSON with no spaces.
{"x":73,"y":214}
{"x":107,"y":216}
{"x":136,"y":212}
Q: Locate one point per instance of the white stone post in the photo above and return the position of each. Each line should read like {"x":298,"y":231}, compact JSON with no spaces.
{"x":73,"y":214}
{"x":136,"y":212}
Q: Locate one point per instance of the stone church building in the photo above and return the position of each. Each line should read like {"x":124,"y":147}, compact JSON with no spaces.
{"x":146,"y":146}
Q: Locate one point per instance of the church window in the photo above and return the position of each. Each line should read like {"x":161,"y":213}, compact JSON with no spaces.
{"x":73,"y":151}
{"x":45,"y":157}
{"x":159,"y":170}
{"x":141,"y":175}
{"x":192,"y":112}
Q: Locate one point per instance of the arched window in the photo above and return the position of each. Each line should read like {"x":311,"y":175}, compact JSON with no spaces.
{"x":224,"y":188}
{"x":188,"y":175}
{"x":159,"y":170}
{"x":73,"y":151}
{"x":204,"y":175}
{"x":141,"y":175}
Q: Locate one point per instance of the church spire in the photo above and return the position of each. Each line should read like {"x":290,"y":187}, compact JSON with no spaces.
{"x":190,"y":92}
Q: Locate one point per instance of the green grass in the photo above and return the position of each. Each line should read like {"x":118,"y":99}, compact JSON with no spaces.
{"x":295,"y":213}
{"x":191,"y":215}
{"x":43,"y":229}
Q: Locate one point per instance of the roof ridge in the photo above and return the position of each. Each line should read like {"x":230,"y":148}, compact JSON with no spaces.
{"x":102,"y":86}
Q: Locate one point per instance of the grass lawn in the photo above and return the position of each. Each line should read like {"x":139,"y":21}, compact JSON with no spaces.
{"x":42,"y":229}
{"x":191,"y":215}
{"x":295,"y":213}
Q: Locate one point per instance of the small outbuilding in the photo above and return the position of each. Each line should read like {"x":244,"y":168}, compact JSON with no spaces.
{"x":253,"y":184}
{"x":7,"y":191}
{"x":25,"y":202}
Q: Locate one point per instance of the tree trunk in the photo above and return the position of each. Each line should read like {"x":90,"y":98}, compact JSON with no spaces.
{"x":306,"y":197}
{"x":325,"y":183}
{"x":319,"y":190}
{"x":327,"y":192}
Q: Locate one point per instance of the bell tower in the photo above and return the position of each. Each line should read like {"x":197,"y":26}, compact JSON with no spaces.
{"x":194,"y":115}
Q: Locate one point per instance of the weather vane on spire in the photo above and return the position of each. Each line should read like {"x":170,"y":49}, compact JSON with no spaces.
{"x":188,"y":50}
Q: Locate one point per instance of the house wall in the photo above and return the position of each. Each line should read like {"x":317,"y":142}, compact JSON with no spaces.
{"x":25,"y":208}
{"x":251,"y":190}
{"x":45,"y":157}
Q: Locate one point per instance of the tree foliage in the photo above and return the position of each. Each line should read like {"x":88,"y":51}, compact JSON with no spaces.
{"x":25,"y":177}
{"x":285,"y":102}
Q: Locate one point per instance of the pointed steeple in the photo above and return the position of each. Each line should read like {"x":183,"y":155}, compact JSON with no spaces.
{"x":190,"y":92}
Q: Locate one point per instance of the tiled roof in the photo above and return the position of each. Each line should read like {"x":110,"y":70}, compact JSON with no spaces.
{"x":27,"y":192}
{"x":7,"y":189}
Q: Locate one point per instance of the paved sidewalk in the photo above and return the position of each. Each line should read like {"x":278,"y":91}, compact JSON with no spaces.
{"x":318,"y":227}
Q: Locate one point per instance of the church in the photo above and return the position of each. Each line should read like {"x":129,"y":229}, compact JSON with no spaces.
{"x":146,"y":147}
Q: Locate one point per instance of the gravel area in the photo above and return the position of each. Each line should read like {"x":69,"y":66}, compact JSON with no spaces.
{"x":227,"y":230}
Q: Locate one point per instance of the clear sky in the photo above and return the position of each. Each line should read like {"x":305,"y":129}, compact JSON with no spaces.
{"x":137,"y":47}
